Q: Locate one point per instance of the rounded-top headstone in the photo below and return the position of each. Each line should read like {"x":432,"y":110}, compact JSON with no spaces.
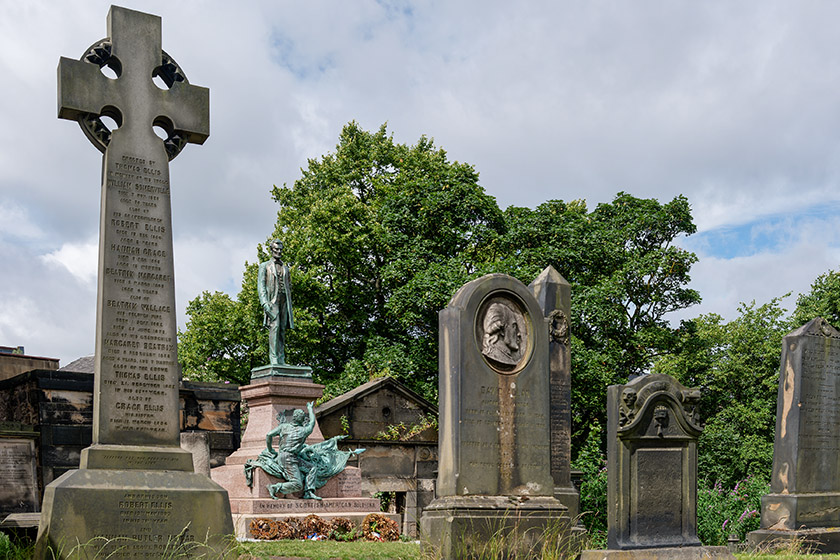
{"x":494,"y":391}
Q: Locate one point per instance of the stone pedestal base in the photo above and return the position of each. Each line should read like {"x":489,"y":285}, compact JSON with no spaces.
{"x":342,"y":494}
{"x":683,"y":553}
{"x":794,"y":511}
{"x":569,"y":497}
{"x":455,"y":526}
{"x":823,"y":540}
{"x":281,"y":371}
{"x":140,"y":514}
{"x":266,"y":398}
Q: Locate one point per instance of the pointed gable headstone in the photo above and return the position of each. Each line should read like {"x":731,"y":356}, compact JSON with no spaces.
{"x":554,"y":295}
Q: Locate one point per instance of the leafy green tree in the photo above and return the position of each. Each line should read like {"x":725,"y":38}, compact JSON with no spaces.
{"x":626,"y":275}
{"x":822,"y":301}
{"x":381,"y":235}
{"x":736,"y":365}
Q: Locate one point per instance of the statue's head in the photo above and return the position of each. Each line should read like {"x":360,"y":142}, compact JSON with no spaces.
{"x":298,"y":417}
{"x":276,"y":247}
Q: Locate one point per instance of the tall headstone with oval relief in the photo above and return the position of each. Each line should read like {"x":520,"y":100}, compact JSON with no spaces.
{"x":135,"y":494}
{"x":804,"y":499}
{"x":494,"y":471}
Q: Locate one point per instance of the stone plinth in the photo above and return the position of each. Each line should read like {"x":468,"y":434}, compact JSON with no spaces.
{"x":142,"y":511}
{"x":673,"y":553}
{"x":804,"y":498}
{"x":267,"y":398}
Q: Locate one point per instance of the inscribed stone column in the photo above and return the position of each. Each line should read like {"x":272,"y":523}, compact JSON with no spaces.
{"x":135,"y":485}
{"x":554,"y":294}
{"x":804,"y":498}
{"x":494,"y":471}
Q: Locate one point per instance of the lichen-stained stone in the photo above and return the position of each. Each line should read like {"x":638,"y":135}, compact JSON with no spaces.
{"x":653,"y":423}
{"x":804,"y":498}
{"x":135,"y":486}
{"x":494,"y":469}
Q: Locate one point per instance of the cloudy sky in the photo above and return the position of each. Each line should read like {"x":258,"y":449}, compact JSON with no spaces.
{"x":735,"y":105}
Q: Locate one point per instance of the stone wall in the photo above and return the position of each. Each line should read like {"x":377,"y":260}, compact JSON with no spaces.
{"x":59,"y":405}
{"x":15,"y":364}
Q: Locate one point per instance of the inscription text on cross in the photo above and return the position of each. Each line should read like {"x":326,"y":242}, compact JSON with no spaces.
{"x":137,"y":379}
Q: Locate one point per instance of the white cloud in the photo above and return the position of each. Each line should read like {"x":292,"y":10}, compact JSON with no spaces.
{"x":79,"y":259}
{"x":16,"y":222}
{"x":733,"y":105}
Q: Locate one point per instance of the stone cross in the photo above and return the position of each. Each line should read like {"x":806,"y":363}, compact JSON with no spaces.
{"x":137,"y":377}
{"x":144,"y":499}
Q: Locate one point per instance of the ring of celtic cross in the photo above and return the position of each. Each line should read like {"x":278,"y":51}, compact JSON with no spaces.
{"x":100,"y":135}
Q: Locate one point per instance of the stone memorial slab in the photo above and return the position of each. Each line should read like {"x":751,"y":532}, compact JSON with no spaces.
{"x":554,"y":295}
{"x":18,"y":476}
{"x":804,"y":498}
{"x":494,"y":469}
{"x":653,"y":426}
{"x":135,"y":484}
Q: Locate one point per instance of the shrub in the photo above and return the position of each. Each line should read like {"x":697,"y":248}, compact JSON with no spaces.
{"x":722,"y":512}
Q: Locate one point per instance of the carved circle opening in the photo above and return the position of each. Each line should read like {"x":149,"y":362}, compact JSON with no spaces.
{"x":100,"y":53}
{"x":503,"y":333}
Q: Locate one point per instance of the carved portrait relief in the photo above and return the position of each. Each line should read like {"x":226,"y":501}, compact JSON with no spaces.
{"x":503,"y":334}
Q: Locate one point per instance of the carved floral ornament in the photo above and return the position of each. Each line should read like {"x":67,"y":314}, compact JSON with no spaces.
{"x":100,"y":135}
{"x":667,"y":399}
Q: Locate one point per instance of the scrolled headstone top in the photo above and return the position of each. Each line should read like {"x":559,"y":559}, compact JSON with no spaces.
{"x":656,"y":391}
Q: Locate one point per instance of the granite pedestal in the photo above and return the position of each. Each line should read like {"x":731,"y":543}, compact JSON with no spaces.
{"x":266,"y":398}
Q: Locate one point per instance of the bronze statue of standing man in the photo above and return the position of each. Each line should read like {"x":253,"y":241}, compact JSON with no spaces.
{"x":275,"y":291}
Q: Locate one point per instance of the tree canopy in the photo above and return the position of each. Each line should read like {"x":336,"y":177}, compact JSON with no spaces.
{"x":380,"y":235}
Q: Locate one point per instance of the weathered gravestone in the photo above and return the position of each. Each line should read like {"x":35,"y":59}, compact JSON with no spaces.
{"x":135,"y":485}
{"x":494,"y":472}
{"x":18,"y":470}
{"x":804,"y":498}
{"x":554,"y":295}
{"x":653,"y":426}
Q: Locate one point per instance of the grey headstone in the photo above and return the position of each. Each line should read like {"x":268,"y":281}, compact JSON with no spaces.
{"x":554,"y":294}
{"x":653,"y":426}
{"x":198,"y":444}
{"x":494,"y":470}
{"x":134,"y":482}
{"x":805,"y":487}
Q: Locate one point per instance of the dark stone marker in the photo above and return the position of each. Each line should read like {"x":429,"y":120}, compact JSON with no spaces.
{"x":494,"y":471}
{"x":804,"y":499}
{"x":135,"y":485}
{"x":653,"y":425}
{"x":554,"y":294}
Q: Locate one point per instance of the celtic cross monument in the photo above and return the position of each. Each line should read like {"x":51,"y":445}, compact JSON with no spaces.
{"x":135,"y":485}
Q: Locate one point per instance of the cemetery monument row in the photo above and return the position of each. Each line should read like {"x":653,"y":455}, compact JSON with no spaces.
{"x":135,"y":484}
{"x":804,"y":498}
